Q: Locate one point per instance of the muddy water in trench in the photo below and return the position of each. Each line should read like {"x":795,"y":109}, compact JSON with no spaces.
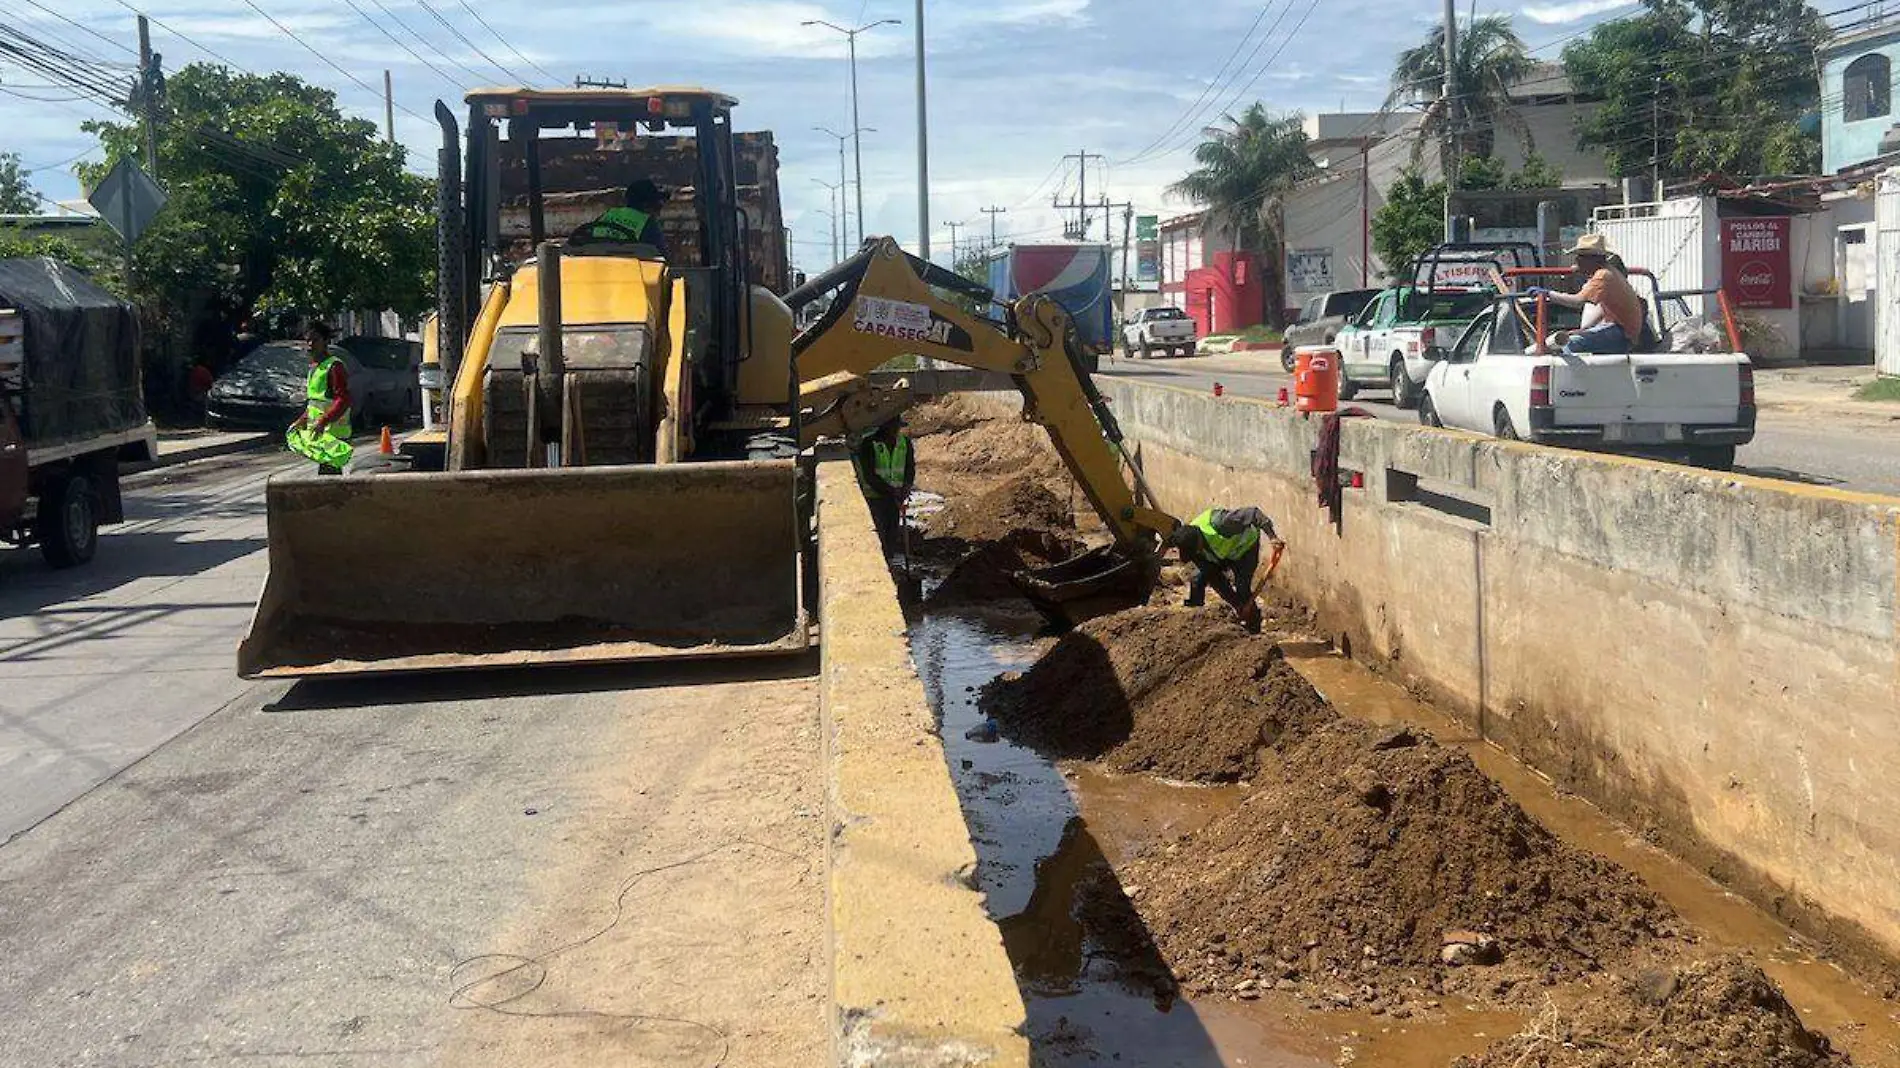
{"x":1042,"y":835}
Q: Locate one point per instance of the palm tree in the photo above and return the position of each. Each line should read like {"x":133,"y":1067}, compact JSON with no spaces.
{"x":1246,"y":166}
{"x":1491,"y":57}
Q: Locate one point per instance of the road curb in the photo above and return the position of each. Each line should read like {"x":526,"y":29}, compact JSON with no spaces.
{"x":919,"y":974}
{"x":231,"y":447}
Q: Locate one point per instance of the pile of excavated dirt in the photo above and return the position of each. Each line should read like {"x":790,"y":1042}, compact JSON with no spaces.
{"x":1720,"y":1013}
{"x":982,"y":574}
{"x":961,"y":450}
{"x":1376,"y":867}
{"x":1184,"y":694}
{"x":1020,"y":504}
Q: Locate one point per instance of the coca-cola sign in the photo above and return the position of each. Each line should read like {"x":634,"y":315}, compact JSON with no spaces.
{"x":1757,"y":269}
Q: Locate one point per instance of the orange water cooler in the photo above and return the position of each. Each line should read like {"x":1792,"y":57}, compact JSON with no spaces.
{"x":1316,"y":378}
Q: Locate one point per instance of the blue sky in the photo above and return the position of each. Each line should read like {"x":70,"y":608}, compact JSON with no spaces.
{"x":1014,"y":84}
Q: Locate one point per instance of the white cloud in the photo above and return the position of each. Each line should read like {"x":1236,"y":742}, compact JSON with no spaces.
{"x":1573,"y":11}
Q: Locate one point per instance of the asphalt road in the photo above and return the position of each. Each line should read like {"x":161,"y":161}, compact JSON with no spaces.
{"x":1852,"y":454}
{"x":501,"y":868}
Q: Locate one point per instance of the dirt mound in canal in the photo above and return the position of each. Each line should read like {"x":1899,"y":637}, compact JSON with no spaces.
{"x":956,"y":441}
{"x":1721,"y":1013}
{"x":1374,"y":866}
{"x":981,"y":575}
{"x":1184,"y":694}
{"x":1020,"y":504}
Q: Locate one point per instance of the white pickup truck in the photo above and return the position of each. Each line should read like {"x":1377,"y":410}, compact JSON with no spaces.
{"x":1166,"y":330}
{"x":1673,"y":405}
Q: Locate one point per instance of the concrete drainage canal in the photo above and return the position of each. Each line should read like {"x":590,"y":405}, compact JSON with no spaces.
{"x":1196,"y":858}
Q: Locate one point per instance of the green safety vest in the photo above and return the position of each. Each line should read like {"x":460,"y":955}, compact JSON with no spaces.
{"x":1221,"y":546}
{"x":332,"y":447}
{"x":891,"y":460}
{"x":317,"y":389}
{"x":632,"y":220}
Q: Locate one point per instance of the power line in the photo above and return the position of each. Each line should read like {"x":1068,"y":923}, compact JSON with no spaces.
{"x":79,"y":26}
{"x":227,"y":61}
{"x":1207,"y":89}
{"x":460,"y":36}
{"x":252,"y":4}
{"x":400,"y":43}
{"x":475,"y":77}
{"x":506,"y":43}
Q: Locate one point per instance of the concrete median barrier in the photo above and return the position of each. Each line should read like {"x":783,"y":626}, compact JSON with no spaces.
{"x":919,"y":973}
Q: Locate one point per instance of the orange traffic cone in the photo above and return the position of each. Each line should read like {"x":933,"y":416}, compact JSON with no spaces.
{"x":386,"y":446}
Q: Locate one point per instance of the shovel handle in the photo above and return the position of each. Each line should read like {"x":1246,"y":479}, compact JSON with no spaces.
{"x":1273,"y":565}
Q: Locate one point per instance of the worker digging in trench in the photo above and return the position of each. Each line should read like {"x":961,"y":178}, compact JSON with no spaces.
{"x":1223,"y":544}
{"x":887,"y":468}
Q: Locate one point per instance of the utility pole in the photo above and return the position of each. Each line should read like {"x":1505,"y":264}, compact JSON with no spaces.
{"x":389,"y":107}
{"x":857,"y":128}
{"x":1655,"y":141}
{"x":953,"y":227}
{"x":1454,"y":108}
{"x":1128,"y":228}
{"x":993,"y":211}
{"x":1365,"y":212}
{"x":149,"y":83}
{"x":1081,"y":202}
{"x":923,"y":148}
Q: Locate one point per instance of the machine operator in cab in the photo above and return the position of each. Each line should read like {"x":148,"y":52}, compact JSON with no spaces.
{"x":887,"y":467}
{"x":322,"y":432}
{"x":636,"y":223}
{"x":1223,"y":544}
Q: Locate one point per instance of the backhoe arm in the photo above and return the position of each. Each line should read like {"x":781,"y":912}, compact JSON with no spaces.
{"x":884,"y":308}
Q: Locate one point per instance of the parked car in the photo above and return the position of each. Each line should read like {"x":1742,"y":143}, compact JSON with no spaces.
{"x":266,"y":389}
{"x":1384,"y":347}
{"x":1166,"y":330}
{"x":1672,"y":405}
{"x":1321,"y":319}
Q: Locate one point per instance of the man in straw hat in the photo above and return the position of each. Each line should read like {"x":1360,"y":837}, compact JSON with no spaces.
{"x":1619,"y":310}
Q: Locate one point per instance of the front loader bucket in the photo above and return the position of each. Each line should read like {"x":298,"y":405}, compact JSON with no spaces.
{"x":1095,"y":583}
{"x":484,"y":569}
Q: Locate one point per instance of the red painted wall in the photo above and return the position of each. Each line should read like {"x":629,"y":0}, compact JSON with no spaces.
{"x":1226,"y":296}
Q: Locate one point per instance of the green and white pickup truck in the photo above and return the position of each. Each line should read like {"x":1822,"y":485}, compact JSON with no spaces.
{"x":1383,"y":347}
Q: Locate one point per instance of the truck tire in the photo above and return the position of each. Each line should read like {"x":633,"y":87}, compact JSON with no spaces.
{"x":1502,"y":426}
{"x":1428,"y":412}
{"x":1147,"y":350}
{"x":1713,"y":457}
{"x":67,"y":527}
{"x":1348,"y":389}
{"x":1404,"y":390}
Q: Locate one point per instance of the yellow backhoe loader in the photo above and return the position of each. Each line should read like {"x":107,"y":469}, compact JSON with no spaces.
{"x":626,"y":450}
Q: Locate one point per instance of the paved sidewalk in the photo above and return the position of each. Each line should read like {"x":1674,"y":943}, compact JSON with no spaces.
{"x":184,"y":446}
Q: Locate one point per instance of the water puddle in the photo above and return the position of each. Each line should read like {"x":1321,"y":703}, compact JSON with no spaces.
{"x":1047,"y":840}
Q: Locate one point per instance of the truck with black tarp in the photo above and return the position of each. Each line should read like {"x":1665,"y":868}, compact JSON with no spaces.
{"x":71,"y":405}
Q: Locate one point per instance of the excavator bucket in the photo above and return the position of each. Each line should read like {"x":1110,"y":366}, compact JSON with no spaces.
{"x":1093,"y":584}
{"x":486,"y":569}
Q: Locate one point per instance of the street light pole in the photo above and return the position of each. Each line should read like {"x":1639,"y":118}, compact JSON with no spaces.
{"x":857,"y":129}
{"x":923,"y":147}
{"x":843,"y":182}
{"x":837,"y":208}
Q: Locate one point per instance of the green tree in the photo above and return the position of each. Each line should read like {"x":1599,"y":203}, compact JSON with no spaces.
{"x":1245,"y":168}
{"x":1481,"y":172}
{"x":1411,"y":220}
{"x":16,"y":196}
{"x":1491,"y":58}
{"x":277,"y":203}
{"x":1723,"y":85}
{"x":1536,"y":173}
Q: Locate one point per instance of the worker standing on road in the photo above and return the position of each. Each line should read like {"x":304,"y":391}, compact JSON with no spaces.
{"x":887,"y":466}
{"x":1623,"y":322}
{"x":638,"y":222}
{"x":1223,"y":544}
{"x":322,"y":432}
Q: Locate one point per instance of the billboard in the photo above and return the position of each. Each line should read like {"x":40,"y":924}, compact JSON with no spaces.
{"x":1309,"y":270}
{"x":1757,"y":265}
{"x":1147,"y":249}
